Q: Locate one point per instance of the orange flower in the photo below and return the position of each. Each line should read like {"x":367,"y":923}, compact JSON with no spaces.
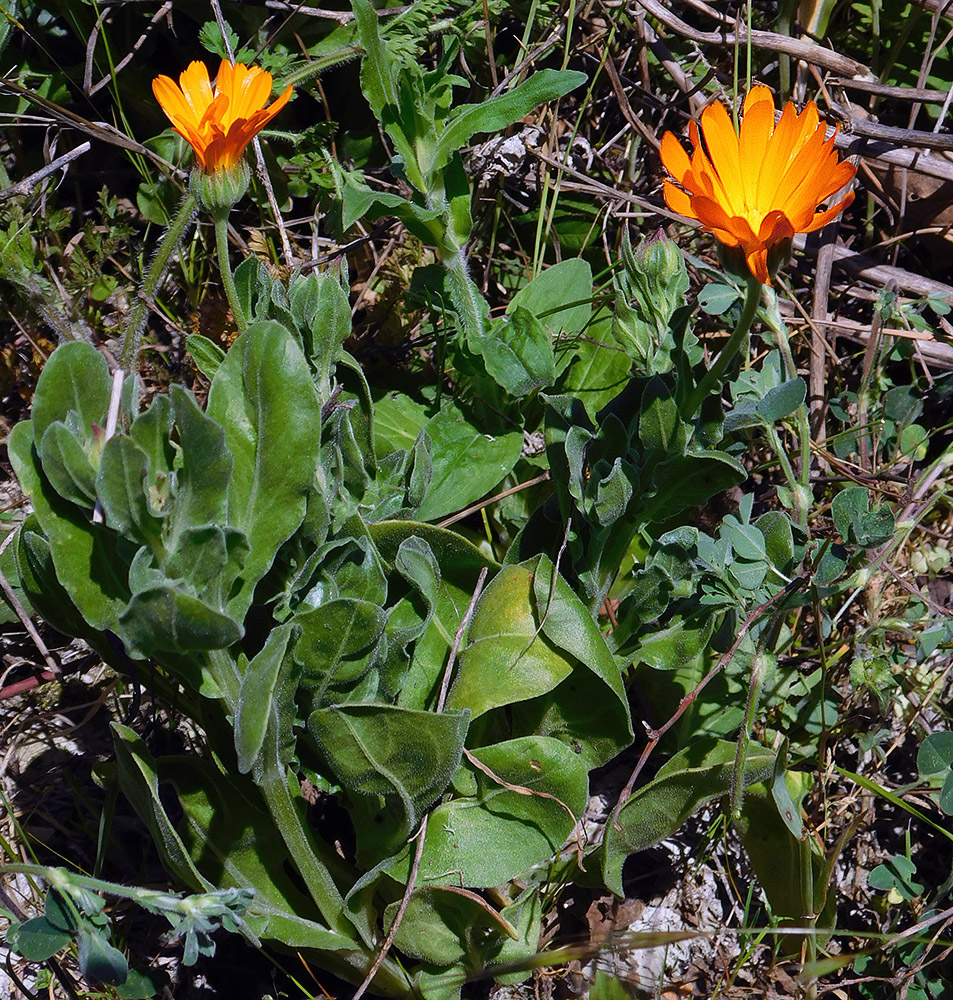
{"x":760,"y":187}
{"x":218,"y":124}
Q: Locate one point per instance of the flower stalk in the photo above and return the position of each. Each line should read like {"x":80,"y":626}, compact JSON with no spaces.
{"x":132,"y":337}
{"x":228,"y":280}
{"x":739,"y":337}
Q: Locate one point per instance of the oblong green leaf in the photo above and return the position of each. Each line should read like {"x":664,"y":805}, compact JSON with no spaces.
{"x":167,"y":619}
{"x":67,"y":465}
{"x":700,"y":773}
{"x":84,"y":554}
{"x":263,"y":397}
{"x":508,"y":657}
{"x":486,"y":838}
{"x":501,"y":111}
{"x":257,"y":695}
{"x":74,"y":379}
{"x":391,"y":751}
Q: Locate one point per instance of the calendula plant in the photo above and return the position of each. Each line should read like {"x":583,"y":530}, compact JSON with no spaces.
{"x":274,"y":562}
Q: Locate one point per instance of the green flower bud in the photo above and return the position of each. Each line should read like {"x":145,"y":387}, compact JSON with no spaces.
{"x":221,"y":190}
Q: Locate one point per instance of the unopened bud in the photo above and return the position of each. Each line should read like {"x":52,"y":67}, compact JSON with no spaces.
{"x":221,"y":190}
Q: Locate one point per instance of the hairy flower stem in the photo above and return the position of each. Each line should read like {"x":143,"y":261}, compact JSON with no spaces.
{"x":228,"y":282}
{"x":465,"y":297}
{"x":132,"y":338}
{"x":738,"y":338}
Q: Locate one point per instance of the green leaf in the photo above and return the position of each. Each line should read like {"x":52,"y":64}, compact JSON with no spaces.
{"x":700,"y":773}
{"x":67,"y":465}
{"x":334,"y":645}
{"x":378,"y":78}
{"x":256,"y":698}
{"x":791,"y":871}
{"x":690,"y":480}
{"x":559,"y":297}
{"x":466,"y":463}
{"x":896,"y":873}
{"x":152,"y":431}
{"x":460,"y":562}
{"x":491,"y":834}
{"x":202,"y":481}
{"x":782,"y":400}
{"x":168,"y":619}
{"x":856,"y":523}
{"x":715,"y":298}
{"x":206,"y":354}
{"x":508,"y":657}
{"x":85,"y":555}
{"x":320,"y":308}
{"x":935,"y":754}
{"x":660,"y":426}
{"x":392,"y":752}
{"x":501,"y":111}
{"x":397,"y":422}
{"x":99,"y":961}
{"x":122,"y":482}
{"x":600,"y":370}
{"x":37,"y":939}
{"x":775,"y":527}
{"x":444,"y":924}
{"x":517,"y":353}
{"x":581,"y":712}
{"x":143,"y":984}
{"x":265,"y":400}
{"x":74,"y":379}
{"x":253,"y":285}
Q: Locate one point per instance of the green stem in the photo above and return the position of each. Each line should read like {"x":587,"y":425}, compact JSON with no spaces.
{"x":739,"y":335}
{"x":464,"y":294}
{"x":228,"y":282}
{"x":132,"y":338}
{"x":759,"y":670}
{"x":800,"y":415}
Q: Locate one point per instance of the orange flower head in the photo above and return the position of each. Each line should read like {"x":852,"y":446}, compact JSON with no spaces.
{"x":758,"y":187}
{"x":218,"y":124}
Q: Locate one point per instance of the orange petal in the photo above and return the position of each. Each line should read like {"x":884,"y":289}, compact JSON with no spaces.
{"x":196,"y":87}
{"x":816,"y":189}
{"x":254,"y":91}
{"x":758,"y":262}
{"x":756,"y":129}
{"x":801,"y":168}
{"x":775,"y":227}
{"x":713,"y":216}
{"x":678,"y":201}
{"x":759,"y":94}
{"x":170,"y":98}
{"x":821,"y":219}
{"x":722,"y":142}
{"x":674,"y":158}
{"x":777,"y":155}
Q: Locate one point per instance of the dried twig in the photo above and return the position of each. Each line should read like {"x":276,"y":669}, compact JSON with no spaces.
{"x":26,"y":185}
{"x":800,"y":48}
